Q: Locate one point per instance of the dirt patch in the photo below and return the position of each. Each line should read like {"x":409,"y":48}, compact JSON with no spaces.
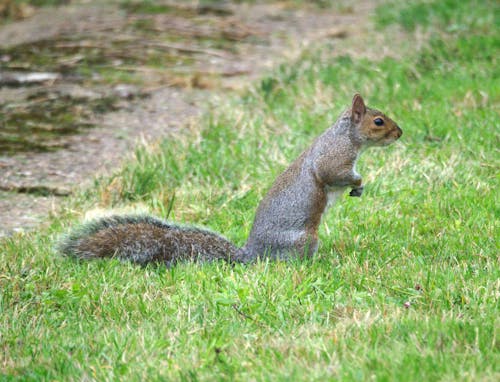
{"x":129,"y":73}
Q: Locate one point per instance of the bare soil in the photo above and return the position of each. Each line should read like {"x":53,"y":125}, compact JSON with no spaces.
{"x":215,"y":51}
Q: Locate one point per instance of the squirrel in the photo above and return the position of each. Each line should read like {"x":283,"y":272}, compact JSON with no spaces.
{"x":287,"y":219}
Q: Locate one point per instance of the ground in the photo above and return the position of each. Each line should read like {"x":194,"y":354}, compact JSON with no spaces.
{"x":405,"y":284}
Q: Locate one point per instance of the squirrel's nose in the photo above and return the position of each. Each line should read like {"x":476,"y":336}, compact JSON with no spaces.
{"x":400,"y":132}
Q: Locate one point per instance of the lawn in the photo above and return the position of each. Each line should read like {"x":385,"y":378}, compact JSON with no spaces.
{"x":406,"y":282}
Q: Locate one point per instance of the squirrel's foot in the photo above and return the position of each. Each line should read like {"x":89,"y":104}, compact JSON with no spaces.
{"x":356,"y":191}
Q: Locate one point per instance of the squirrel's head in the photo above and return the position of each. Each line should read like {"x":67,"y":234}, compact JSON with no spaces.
{"x":373,"y":126}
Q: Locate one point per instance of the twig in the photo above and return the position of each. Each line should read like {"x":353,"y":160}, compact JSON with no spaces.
{"x":135,"y":69}
{"x":246,"y":315}
{"x":82,"y":44}
{"x":18,"y":79}
{"x":223,"y":73}
{"x":189,"y":49}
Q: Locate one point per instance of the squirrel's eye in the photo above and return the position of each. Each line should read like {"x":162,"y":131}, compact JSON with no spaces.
{"x":378,"y":121}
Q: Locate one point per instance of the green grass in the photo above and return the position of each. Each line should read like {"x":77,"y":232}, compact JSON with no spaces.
{"x":449,"y":15}
{"x":405,"y":285}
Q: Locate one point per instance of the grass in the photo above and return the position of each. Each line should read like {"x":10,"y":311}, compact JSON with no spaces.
{"x":405,"y":285}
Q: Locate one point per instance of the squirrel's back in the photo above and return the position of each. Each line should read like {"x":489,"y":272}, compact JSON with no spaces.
{"x":144,"y":239}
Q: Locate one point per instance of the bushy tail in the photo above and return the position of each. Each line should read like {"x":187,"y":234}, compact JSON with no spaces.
{"x":143,"y":240}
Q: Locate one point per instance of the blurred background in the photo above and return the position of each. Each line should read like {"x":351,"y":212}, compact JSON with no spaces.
{"x":81,"y":81}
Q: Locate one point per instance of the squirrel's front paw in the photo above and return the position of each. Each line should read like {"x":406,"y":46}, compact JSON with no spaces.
{"x":356,"y":191}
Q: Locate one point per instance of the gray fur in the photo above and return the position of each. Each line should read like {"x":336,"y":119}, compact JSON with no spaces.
{"x":144,"y":239}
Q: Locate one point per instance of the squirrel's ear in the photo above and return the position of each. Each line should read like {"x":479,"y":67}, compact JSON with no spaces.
{"x":358,"y":108}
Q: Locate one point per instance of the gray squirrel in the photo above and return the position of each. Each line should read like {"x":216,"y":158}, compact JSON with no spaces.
{"x":287,"y":219}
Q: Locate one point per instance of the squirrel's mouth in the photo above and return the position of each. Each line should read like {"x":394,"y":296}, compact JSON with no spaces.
{"x":390,"y":136}
{"x":394,"y":134}
{"x":399,"y":132}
